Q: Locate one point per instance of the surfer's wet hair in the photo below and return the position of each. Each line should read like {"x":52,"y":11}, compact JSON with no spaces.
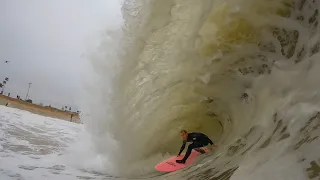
{"x":183,"y":131}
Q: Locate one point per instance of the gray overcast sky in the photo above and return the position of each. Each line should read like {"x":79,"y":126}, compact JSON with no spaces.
{"x":45,"y":42}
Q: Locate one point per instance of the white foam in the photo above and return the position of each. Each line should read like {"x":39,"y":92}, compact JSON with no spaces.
{"x":36,"y":147}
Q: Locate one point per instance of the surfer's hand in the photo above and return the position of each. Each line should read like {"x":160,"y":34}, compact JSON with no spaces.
{"x":213,"y":145}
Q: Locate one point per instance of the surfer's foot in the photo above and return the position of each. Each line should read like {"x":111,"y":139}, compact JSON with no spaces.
{"x":181,"y":161}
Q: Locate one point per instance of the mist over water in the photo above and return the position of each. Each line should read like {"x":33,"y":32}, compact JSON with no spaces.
{"x":245,"y":72}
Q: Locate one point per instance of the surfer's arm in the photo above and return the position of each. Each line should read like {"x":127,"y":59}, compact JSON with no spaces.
{"x":182,"y":148}
{"x":210,"y":141}
{"x":212,"y":144}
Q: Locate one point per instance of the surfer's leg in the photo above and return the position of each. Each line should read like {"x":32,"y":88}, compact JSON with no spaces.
{"x":190,"y":147}
{"x":203,"y":143}
{"x":200,"y":150}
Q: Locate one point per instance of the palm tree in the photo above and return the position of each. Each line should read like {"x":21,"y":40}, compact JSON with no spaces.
{"x":4,"y":82}
{"x":1,"y":85}
{"x":6,"y":79}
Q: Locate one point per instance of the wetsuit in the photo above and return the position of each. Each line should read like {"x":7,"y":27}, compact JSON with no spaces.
{"x":198,"y":140}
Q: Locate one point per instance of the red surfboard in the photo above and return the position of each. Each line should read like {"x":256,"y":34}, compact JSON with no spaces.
{"x":170,"y":164}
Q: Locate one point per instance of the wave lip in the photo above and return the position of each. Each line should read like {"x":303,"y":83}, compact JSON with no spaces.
{"x":224,"y":68}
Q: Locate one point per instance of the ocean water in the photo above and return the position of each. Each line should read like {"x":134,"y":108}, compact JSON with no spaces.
{"x":245,"y":72}
{"x":33,"y":146}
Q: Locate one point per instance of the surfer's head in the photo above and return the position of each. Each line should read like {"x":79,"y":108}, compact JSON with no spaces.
{"x":184,"y":134}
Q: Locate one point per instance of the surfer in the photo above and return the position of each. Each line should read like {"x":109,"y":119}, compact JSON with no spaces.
{"x":198,"y":140}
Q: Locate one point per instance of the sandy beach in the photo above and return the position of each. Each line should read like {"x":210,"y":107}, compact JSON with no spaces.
{"x":40,"y":110}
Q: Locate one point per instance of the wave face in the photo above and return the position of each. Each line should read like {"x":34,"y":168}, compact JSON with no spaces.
{"x":245,"y":72}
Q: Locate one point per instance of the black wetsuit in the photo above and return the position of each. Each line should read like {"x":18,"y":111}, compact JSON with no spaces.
{"x":198,"y":140}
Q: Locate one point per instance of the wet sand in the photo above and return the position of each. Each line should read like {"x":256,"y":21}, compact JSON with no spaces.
{"x":40,"y":110}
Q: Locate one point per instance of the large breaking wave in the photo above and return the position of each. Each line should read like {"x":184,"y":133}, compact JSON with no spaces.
{"x":245,"y":72}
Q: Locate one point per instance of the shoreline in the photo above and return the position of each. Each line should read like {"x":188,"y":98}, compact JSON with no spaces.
{"x":40,"y":110}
